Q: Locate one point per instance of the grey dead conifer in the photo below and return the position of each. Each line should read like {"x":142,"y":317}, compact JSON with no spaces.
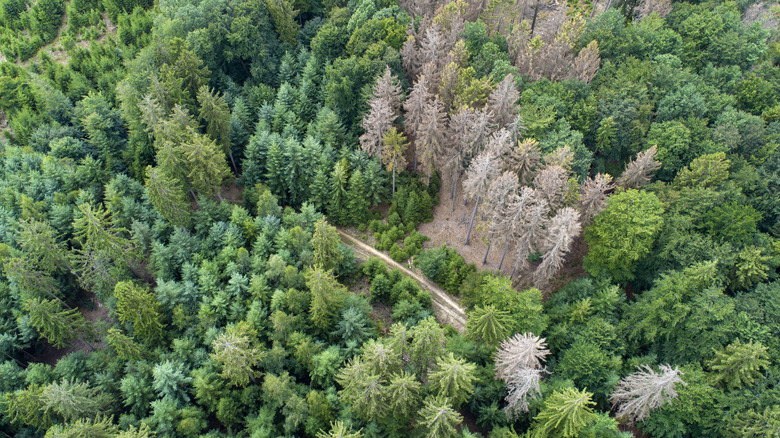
{"x":593,"y":195}
{"x":639,"y":171}
{"x":478,"y":176}
{"x":639,"y":393}
{"x":503,"y":102}
{"x":563,"y":228}
{"x":499,"y":194}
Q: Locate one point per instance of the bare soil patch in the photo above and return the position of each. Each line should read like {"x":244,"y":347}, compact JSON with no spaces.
{"x":450,"y":226}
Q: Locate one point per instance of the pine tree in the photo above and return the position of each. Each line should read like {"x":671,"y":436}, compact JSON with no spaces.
{"x":453,"y":379}
{"x":565,"y":414}
{"x":167,"y":195}
{"x":521,"y":351}
{"x":394,"y":156}
{"x":357,"y":203}
{"x":324,"y":244}
{"x":215,"y":113}
{"x":125,"y":346}
{"x":140,"y":307}
{"x":639,"y":393}
{"x":437,"y":418}
{"x":54,"y":323}
{"x":739,"y":364}
{"x":487,"y":325}
{"x":237,"y":351}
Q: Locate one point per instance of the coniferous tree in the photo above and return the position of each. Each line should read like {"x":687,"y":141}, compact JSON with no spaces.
{"x":739,"y":364}
{"x":215,"y":113}
{"x":426,"y":346}
{"x":54,"y":323}
{"x":403,"y":395}
{"x":167,"y":195}
{"x":339,"y":430}
{"x":593,"y":195}
{"x":324,"y":244}
{"x":126,"y":348}
{"x":502,"y":102}
{"x":339,"y":183}
{"x":453,"y":379}
{"x":430,"y":141}
{"x":237,"y":352}
{"x":327,"y":296}
{"x":478,"y":177}
{"x":640,"y":171}
{"x":71,"y":400}
{"x":395,"y":153}
{"x":437,"y":418}
{"x":562,"y":230}
{"x":565,"y":414}
{"x":531,"y":212}
{"x":488,"y":325}
{"x":522,"y":387}
{"x":524,"y":160}
{"x":639,"y":393}
{"x":521,"y":351}
{"x":140,"y":307}
{"x":552,"y":183}
{"x":357,"y":203}
{"x":494,"y":209}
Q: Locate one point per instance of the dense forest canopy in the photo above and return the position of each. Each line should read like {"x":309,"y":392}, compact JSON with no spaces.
{"x":215,"y":218}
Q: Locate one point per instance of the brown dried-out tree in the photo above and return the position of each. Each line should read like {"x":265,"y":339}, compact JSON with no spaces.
{"x":462,"y":143}
{"x":563,"y":228}
{"x":512,"y":217}
{"x":524,"y":159}
{"x":593,"y":195}
{"x":587,"y":62}
{"x":430,"y":140}
{"x":388,"y":88}
{"x":503,"y":102}
{"x":640,"y":171}
{"x":500,"y":192}
{"x":481,"y":172}
{"x":376,"y":123}
{"x":639,"y":393}
{"x":552,"y":183}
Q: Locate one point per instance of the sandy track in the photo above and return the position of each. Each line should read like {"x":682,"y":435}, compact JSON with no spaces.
{"x":447,"y":309}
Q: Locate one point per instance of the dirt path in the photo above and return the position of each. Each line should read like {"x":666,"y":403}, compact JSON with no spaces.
{"x":447,"y":309}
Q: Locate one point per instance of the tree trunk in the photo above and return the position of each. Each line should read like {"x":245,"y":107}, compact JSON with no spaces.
{"x":233,"y":162}
{"x":513,"y":271}
{"x":609,"y":4}
{"x":393,"y":182}
{"x":501,"y":263}
{"x":473,"y":215}
{"x":91,"y":348}
{"x":533,"y":21}
{"x":415,"y":159}
{"x":593,"y":11}
{"x":194,"y":198}
{"x":490,"y":241}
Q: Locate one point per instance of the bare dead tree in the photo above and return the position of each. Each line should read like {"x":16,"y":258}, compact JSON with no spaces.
{"x":639,"y":393}
{"x":481,"y":172}
{"x":503,"y":102}
{"x":529,"y":229}
{"x":431,"y":135}
{"x":552,"y":183}
{"x":432,"y":47}
{"x":409,"y":60}
{"x":640,"y":171}
{"x":646,"y":7}
{"x":593,"y":195}
{"x":501,"y":191}
{"x":511,"y":218}
{"x":522,"y":387}
{"x":388,"y":88}
{"x":414,"y":105}
{"x":524,"y":159}
{"x":587,"y":62}
{"x":520,"y":352}
{"x":376,"y":123}
{"x":563,"y":228}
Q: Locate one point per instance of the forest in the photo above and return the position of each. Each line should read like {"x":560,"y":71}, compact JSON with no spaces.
{"x":252,"y":218}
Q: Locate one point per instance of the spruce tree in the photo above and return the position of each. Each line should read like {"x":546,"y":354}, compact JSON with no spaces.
{"x":488,"y":325}
{"x":237,"y":352}
{"x":565,"y":414}
{"x":437,"y":418}
{"x":453,"y":379}
{"x":125,"y":346}
{"x":357,"y":203}
{"x":140,"y":307}
{"x":54,"y":323}
{"x":167,"y":195}
{"x":324,"y":244}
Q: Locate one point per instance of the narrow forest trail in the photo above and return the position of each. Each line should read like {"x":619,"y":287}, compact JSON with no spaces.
{"x":447,"y":309}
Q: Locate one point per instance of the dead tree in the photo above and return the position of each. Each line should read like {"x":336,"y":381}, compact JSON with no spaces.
{"x":640,"y":171}
{"x":552,"y":183}
{"x":529,"y":230}
{"x":593,"y":195}
{"x":563,"y":228}
{"x":501,"y":191}
{"x":524,"y":159}
{"x":503,"y":102}
{"x":481,"y":172}
{"x":639,"y":393}
{"x":430,"y":136}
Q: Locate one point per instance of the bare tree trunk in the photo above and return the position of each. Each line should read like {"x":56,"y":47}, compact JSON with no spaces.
{"x":533,"y":21}
{"x":593,"y":11}
{"x":609,"y":4}
{"x":513,"y":270}
{"x":501,"y":263}
{"x":490,"y":241}
{"x":393,"y":182}
{"x":91,"y":348}
{"x":415,"y":159}
{"x":194,"y":198}
{"x":473,"y":215}
{"x":233,"y":162}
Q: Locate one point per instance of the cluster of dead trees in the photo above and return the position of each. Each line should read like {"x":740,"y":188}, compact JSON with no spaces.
{"x":470,"y":130}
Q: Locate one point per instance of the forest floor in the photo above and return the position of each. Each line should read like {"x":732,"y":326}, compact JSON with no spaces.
{"x":446,"y":307}
{"x":94,"y":312}
{"x":449,"y":227}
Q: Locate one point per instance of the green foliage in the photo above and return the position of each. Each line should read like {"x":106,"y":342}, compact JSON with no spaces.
{"x":565,"y":414}
{"x":739,"y":364}
{"x":622,"y":234}
{"x":141,"y":308}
